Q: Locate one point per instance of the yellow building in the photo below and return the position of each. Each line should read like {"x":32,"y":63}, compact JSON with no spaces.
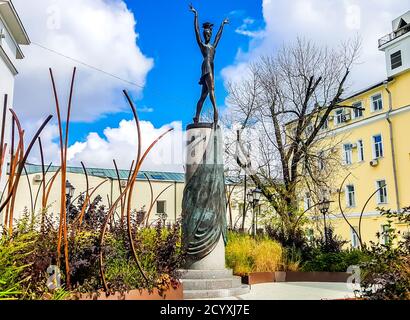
{"x":375,"y":144}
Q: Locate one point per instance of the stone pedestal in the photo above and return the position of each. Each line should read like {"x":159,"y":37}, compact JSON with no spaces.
{"x":204,"y":203}
{"x":213,"y":261}
{"x":204,"y":217}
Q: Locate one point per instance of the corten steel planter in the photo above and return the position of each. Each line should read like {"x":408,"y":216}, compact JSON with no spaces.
{"x":171,"y":294}
{"x":258,"y":277}
{"x":294,"y":276}
{"x":317,"y":276}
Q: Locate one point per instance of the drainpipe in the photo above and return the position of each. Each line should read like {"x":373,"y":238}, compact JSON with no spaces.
{"x":175,"y":201}
{"x":393,"y":153}
{"x":111,"y":191}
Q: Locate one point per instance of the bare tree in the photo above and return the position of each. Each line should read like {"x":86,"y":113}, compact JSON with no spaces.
{"x":283,"y":107}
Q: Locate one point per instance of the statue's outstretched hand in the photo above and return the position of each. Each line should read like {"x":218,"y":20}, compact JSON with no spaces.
{"x":191,"y":7}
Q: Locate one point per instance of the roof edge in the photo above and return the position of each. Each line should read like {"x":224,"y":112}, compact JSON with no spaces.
{"x":14,"y":21}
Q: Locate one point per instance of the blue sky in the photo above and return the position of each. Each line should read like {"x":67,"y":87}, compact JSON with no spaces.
{"x":166,"y":34}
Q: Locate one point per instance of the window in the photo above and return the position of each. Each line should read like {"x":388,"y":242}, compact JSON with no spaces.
{"x":358,"y":113}
{"x":308,"y":201}
{"x":385,"y":234}
{"x":377,"y":146}
{"x":377,"y":102}
{"x":395,"y":59}
{"x":347,"y":153}
{"x":321,"y":160}
{"x":161,"y":206}
{"x":360,"y":150}
{"x":354,"y":237}
{"x":339,"y":116}
{"x":350,"y":196}
{"x":382,"y":193}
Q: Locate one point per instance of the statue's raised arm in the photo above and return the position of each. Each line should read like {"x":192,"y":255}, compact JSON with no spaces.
{"x":196,"y":25}
{"x":219,"y":34}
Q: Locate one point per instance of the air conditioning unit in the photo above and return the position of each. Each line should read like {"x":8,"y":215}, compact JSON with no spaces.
{"x":374,"y":163}
{"x":346,"y":117}
{"x":337,"y":190}
{"x":37,"y":178}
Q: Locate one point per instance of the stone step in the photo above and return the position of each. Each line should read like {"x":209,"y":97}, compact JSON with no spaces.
{"x":211,"y":284}
{"x":206,"y":274}
{"x":218,"y":293}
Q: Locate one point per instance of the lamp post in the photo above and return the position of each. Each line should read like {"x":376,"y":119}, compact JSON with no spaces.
{"x":253,"y":197}
{"x":163,"y":217}
{"x":69,"y":192}
{"x":324,"y":209}
{"x":69,"y":189}
{"x":249,"y":197}
{"x":256,"y":198}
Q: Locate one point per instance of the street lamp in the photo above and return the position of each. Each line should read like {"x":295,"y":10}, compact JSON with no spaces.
{"x":69,"y":189}
{"x":253,"y":197}
{"x":256,"y":194}
{"x":324,"y":209}
{"x":256,"y":198}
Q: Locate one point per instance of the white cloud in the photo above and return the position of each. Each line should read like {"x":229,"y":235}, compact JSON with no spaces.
{"x":326,"y":22}
{"x":244,"y":29}
{"x":98,"y":32}
{"x":146,"y":110}
{"x":121,"y":144}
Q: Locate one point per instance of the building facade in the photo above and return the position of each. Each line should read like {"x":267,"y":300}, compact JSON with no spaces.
{"x":375,"y":145}
{"x":12,"y":36}
{"x":166,"y":195}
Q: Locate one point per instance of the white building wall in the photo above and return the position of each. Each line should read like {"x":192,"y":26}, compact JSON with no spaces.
{"x":141,"y":196}
{"x":402,"y":44}
{"x":6,"y":87}
{"x":110,"y":189}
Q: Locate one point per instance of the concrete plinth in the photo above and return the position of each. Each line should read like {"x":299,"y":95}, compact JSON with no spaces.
{"x":214,"y":261}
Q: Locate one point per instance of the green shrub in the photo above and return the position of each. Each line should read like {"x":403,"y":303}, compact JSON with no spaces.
{"x":386,"y":275}
{"x":333,"y":261}
{"x":12,"y":250}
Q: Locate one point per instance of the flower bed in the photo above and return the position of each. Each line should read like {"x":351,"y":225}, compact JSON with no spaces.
{"x":155,"y":294}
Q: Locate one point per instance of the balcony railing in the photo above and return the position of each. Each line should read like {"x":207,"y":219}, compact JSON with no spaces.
{"x":394,"y":35}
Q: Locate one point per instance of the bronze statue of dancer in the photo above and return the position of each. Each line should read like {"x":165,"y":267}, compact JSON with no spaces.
{"x":208,"y":75}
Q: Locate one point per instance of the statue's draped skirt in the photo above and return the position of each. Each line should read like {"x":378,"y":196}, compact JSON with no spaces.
{"x":204,"y":204}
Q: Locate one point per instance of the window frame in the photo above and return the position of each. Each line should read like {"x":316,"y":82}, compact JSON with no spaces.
{"x":354,"y":238}
{"x":348,"y":193}
{"x":372,"y":102}
{"x":384,"y":190}
{"x":165,"y":206}
{"x":347,"y":151}
{"x":354,"y":110}
{"x":386,"y":239}
{"x":401,"y":60}
{"x":360,"y":150}
{"x":308,"y":201}
{"x":337,"y":116}
{"x":374,"y":146}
